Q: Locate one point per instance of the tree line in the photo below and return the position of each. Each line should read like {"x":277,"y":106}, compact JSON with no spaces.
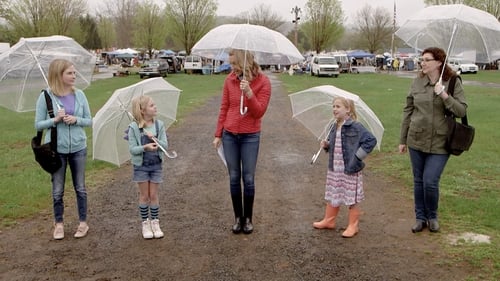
{"x":179,"y":24}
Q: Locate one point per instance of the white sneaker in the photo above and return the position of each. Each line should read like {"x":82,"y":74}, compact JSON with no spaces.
{"x":147,"y":233}
{"x":155,"y":226}
{"x":58,"y":231}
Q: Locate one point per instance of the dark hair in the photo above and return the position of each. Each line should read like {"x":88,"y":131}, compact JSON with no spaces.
{"x":440,"y":55}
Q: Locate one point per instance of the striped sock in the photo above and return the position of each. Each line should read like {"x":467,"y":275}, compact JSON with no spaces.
{"x":154,"y":211}
{"x":144,"y":211}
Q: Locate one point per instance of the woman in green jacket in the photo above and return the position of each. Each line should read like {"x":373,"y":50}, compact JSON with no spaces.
{"x":424,"y":129}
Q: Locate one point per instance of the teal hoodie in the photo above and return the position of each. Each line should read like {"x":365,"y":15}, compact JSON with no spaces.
{"x":70,"y":138}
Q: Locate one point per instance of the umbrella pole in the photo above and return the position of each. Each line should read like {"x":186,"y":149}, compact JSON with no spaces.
{"x":168,"y":154}
{"x":448,"y":51}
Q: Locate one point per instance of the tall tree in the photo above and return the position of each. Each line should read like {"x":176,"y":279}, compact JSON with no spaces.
{"x":150,"y":26}
{"x":261,"y":14}
{"x":106,"y":31}
{"x":374,"y":27}
{"x":28,"y":18}
{"x":122,"y":12}
{"x":64,"y":14}
{"x":91,"y":40}
{"x":324,"y":23}
{"x":190,"y":20}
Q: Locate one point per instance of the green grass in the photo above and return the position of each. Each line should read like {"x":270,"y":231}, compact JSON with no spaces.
{"x":470,"y":197}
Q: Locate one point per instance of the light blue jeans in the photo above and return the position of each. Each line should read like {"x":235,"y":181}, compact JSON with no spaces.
{"x":241,"y":151}
{"x":427,"y":170}
{"x":76,"y":161}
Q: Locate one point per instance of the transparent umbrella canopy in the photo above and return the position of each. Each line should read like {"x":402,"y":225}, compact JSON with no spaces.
{"x":112,"y":120}
{"x":457,"y":29}
{"x":24,"y":69}
{"x":313,"y":109}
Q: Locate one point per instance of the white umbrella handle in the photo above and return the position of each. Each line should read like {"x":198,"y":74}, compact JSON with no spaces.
{"x":315,"y":156}
{"x":244,"y":110}
{"x":170,"y":155}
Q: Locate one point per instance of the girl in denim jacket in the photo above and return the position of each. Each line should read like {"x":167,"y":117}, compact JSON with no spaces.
{"x":348,"y":143}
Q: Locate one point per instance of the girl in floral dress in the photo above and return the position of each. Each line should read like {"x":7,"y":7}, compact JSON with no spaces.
{"x":348,"y":144}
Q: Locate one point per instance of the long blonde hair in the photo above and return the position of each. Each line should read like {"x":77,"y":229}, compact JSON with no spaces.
{"x":348,"y":103}
{"x":138,"y":105}
{"x":56,"y":70}
{"x":246,"y":63}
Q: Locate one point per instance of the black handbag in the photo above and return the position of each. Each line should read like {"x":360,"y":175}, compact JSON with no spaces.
{"x":460,"y":135}
{"x":46,"y":154}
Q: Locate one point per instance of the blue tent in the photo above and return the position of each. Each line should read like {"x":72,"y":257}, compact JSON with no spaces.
{"x":359,"y":54}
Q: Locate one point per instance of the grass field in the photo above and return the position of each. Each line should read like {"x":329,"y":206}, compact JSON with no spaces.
{"x":470,"y":195}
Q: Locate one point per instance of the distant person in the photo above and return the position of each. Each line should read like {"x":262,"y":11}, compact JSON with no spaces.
{"x":145,"y":135}
{"x":395,"y":64}
{"x":73,"y":114}
{"x":238,"y":131}
{"x":423,"y":133}
{"x":347,"y":145}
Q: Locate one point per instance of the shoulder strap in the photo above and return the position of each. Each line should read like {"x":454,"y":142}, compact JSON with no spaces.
{"x":157,"y":128}
{"x":48,"y":101}
{"x":451,"y":90}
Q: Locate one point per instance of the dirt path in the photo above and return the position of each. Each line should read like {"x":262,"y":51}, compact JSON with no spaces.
{"x":196,"y":216}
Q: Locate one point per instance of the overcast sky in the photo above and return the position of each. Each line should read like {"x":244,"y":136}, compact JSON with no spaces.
{"x":404,"y":8}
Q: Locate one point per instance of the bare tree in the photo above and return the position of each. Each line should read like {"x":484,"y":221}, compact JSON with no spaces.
{"x":374,"y":27}
{"x":150,"y":26}
{"x":324,"y":23}
{"x":190,"y":20}
{"x":261,"y":14}
{"x":122,"y":12}
{"x":64,"y":14}
{"x":106,"y":31}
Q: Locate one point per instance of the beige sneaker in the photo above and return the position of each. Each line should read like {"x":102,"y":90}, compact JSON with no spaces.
{"x":82,"y":230}
{"x":59,"y":231}
{"x":155,"y":226}
{"x":147,"y":232}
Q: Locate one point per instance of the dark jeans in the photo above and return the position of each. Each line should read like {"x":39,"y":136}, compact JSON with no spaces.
{"x":241,"y":151}
{"x":427,"y":170}
{"x":76,"y":161}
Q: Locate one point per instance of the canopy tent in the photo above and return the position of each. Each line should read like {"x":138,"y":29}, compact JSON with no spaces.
{"x":359,"y":54}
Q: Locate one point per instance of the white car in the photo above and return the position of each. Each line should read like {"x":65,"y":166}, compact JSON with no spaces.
{"x":324,"y":66}
{"x":460,"y":66}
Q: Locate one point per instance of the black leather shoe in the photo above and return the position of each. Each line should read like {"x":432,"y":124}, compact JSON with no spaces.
{"x":433,"y":225}
{"x":247,"y":226}
{"x":418,"y":226}
{"x":237,"y":225}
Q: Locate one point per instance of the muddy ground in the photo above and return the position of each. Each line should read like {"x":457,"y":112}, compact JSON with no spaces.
{"x":196,"y":216}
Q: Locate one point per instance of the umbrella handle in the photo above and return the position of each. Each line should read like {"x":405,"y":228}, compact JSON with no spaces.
{"x":315,"y":156}
{"x":243,"y":111}
{"x":170,"y":155}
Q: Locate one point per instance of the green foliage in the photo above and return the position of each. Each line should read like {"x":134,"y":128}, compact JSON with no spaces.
{"x":324,"y":23}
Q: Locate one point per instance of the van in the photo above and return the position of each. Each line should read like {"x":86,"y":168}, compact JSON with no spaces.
{"x":193,"y":64}
{"x":460,"y":66}
{"x":324,"y":65}
{"x":343,"y":62}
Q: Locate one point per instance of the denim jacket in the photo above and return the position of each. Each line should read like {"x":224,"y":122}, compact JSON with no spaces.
{"x":357,"y":142}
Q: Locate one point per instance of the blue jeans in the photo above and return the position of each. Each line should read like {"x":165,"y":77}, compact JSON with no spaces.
{"x":241,"y":151}
{"x":427,"y":170}
{"x":76,"y":161}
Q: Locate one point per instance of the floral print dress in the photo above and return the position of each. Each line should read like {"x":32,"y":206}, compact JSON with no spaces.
{"x":341,"y":188}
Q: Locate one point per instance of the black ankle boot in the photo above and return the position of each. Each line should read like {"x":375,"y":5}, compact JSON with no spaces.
{"x":237,"y":225}
{"x":247,"y":226}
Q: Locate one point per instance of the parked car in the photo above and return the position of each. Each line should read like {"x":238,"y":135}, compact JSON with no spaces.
{"x":154,"y":68}
{"x":460,"y":66}
{"x":324,"y":65}
{"x":193,"y":64}
{"x":173,"y":63}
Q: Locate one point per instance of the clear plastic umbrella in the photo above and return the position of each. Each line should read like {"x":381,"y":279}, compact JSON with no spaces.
{"x":24,"y":69}
{"x":268,"y":46}
{"x":313,"y":108}
{"x":458,"y":29}
{"x":112,"y":120}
